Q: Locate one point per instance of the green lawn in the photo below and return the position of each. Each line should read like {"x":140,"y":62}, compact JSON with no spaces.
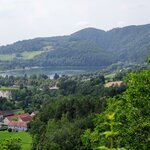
{"x":25,"y":137}
{"x":4,"y":88}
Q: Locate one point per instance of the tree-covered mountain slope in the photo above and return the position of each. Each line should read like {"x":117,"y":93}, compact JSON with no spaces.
{"x":87,"y":47}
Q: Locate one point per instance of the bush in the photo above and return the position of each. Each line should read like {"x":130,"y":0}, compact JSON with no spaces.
{"x":10,"y":144}
{"x":3,"y":128}
{"x":9,"y":130}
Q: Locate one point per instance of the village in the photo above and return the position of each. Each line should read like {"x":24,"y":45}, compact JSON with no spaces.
{"x":19,"y":122}
{"x":15,"y":122}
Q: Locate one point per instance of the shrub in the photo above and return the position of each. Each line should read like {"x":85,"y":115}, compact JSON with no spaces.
{"x":9,"y":130}
{"x":3,"y":128}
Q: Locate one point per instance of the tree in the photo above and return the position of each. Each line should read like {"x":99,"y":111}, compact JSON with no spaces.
{"x":10,"y":144}
{"x":132,"y":111}
{"x":56,"y":76}
{"x":148,"y":60}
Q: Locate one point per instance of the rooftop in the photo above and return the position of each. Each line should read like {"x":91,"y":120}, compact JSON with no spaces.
{"x":17,"y":123}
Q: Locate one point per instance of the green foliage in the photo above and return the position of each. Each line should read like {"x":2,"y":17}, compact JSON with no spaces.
{"x":63,"y":120}
{"x":10,"y":144}
{"x":6,"y":104}
{"x":131,"y":125}
{"x":64,"y":117}
{"x":65,"y":114}
{"x":101,"y":137}
{"x":56,"y":76}
{"x":90,"y":86}
{"x":148,"y":60}
{"x":9,"y":129}
{"x":3,"y":128}
{"x":28,"y":93}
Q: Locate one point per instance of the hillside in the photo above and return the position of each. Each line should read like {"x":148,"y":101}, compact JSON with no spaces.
{"x":87,"y":47}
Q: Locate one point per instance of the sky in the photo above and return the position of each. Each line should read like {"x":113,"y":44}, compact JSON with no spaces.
{"x":27,"y":19}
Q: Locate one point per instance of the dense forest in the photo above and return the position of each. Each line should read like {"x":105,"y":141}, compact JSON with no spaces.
{"x":103,"y":118}
{"x":88,"y":47}
{"x":31,"y":92}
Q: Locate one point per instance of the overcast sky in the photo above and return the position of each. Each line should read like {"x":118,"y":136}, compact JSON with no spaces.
{"x":26,"y":19}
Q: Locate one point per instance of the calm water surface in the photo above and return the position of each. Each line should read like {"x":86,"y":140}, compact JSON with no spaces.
{"x":50,"y":71}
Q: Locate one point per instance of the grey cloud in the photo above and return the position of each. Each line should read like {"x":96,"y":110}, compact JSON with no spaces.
{"x":23,"y":19}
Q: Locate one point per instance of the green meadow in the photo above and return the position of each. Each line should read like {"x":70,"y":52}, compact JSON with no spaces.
{"x":25,"y":55}
{"x":25,"y":137}
{"x":32,"y":54}
{"x":7,"y":57}
{"x":4,"y":88}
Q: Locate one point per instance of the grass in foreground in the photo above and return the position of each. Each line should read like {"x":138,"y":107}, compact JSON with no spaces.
{"x":25,"y":137}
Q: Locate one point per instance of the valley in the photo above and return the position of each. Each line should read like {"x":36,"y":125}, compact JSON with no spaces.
{"x":81,"y":91}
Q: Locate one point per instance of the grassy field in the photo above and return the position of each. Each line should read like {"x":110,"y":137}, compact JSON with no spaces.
{"x":32,"y":54}
{"x":25,"y":137}
{"x":5,"y":57}
{"x":3,"y":88}
{"x":25,"y":55}
{"x":110,"y":76}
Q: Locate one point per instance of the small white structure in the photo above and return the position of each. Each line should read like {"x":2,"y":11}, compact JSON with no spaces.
{"x":6,"y":120}
{"x":6,"y":94}
{"x":54,"y":88}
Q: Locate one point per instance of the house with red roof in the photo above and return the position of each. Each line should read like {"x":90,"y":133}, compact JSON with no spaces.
{"x":114,"y":84}
{"x":17,"y":126}
{"x":5,"y":113}
{"x":18,"y":122}
{"x":24,"y":118}
{"x":21,"y":118}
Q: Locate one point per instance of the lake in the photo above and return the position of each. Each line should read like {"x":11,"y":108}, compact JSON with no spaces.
{"x":50,"y":71}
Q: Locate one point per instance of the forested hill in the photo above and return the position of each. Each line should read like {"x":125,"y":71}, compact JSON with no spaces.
{"x":87,"y":47}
